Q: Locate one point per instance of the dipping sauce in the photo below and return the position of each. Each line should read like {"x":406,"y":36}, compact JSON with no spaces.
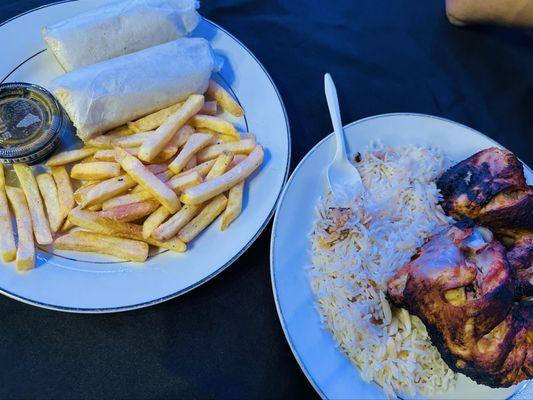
{"x":31,"y":123}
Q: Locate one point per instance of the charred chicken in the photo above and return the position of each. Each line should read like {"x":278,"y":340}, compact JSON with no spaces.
{"x":490,"y":188}
{"x":467,"y":287}
{"x":460,"y":285}
{"x":520,"y":256}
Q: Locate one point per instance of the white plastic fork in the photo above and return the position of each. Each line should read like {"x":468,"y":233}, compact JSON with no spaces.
{"x":343,"y":178}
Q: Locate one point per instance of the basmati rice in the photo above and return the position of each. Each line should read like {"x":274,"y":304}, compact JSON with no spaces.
{"x":357,"y":246}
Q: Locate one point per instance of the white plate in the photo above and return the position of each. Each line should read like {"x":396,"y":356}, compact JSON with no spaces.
{"x":329,"y":371}
{"x":78,"y":282}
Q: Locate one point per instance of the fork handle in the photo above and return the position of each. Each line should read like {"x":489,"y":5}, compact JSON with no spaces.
{"x":335,"y":114}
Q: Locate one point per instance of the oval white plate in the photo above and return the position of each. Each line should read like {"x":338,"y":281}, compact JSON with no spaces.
{"x":326,"y":367}
{"x":78,"y":282}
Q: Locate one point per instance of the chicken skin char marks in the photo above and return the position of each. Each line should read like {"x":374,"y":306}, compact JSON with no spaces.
{"x":460,"y":284}
{"x":490,"y":188}
{"x":519,"y":245}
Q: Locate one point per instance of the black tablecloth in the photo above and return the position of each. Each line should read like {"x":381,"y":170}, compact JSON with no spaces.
{"x":224,"y":339}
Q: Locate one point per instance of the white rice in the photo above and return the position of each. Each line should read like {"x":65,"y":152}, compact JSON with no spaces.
{"x":357,"y":246}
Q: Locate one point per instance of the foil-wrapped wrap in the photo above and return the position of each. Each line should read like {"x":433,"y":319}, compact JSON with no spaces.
{"x":119,"y":28}
{"x":105,"y":95}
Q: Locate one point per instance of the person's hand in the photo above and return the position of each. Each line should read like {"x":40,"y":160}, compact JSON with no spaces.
{"x":502,"y":12}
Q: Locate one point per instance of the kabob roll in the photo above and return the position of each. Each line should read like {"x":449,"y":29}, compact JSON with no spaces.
{"x":105,"y":95}
{"x":119,"y":28}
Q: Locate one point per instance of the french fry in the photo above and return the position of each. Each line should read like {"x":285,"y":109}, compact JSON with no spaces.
{"x":200,"y":121}
{"x":25,"y":258}
{"x":64,"y":190}
{"x":169,"y":229}
{"x":244,"y":146}
{"x":203,"y":168}
{"x":211,"y":188}
{"x":180,"y":182}
{"x":82,"y":191}
{"x":237,"y":159}
{"x":171,"y":148}
{"x":126,"y":249}
{"x":84,"y":185}
{"x":166,"y":154}
{"x":168,"y":151}
{"x":154,"y":120}
{"x":154,"y":220}
{"x":41,"y":228}
{"x":128,"y":198}
{"x":104,"y":190}
{"x":210,"y":131}
{"x":221,"y":165}
{"x":209,"y":108}
{"x":157,"y":141}
{"x":122,"y":130}
{"x":147,"y":180}
{"x":234,"y":206}
{"x":130,"y":212}
{"x":157,"y":168}
{"x":88,"y":159}
{"x":183,"y":135}
{"x":117,"y":137}
{"x":90,"y":220}
{"x":191,"y":163}
{"x":226,"y":101}
{"x":50,"y":195}
{"x":112,"y":187}
{"x":67,"y":226}
{"x":203,"y":219}
{"x":177,"y":183}
{"x":226,"y":138}
{"x":195,"y":143}
{"x":109,"y":154}
{"x":133,"y":140}
{"x":162,"y":176}
{"x":108,"y":142}
{"x":8,"y":249}
{"x":70,"y":156}
{"x":93,"y":171}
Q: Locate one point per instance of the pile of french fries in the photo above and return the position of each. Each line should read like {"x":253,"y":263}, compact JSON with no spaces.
{"x":158,"y":181}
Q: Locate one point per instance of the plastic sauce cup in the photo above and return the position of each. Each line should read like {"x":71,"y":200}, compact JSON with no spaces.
{"x":31,"y":123}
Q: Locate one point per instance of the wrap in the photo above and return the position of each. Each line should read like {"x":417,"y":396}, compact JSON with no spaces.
{"x":119,"y":28}
{"x":108,"y":94}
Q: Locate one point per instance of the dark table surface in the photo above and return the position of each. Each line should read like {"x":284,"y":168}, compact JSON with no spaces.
{"x":224,"y":339}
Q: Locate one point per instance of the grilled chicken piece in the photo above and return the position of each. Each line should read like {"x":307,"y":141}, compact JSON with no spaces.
{"x":509,"y":346}
{"x":460,"y":285}
{"x":472,"y":189}
{"x":510,"y":208}
{"x":490,"y":188}
{"x":519,"y":244}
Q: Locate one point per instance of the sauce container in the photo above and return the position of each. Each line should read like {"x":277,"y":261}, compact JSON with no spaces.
{"x":31,"y":123}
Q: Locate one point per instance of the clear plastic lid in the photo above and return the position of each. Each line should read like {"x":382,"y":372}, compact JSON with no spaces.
{"x":31,"y":123}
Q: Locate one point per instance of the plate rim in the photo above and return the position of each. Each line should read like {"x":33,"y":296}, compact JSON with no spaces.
{"x":275,"y":223}
{"x":105,"y":310}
